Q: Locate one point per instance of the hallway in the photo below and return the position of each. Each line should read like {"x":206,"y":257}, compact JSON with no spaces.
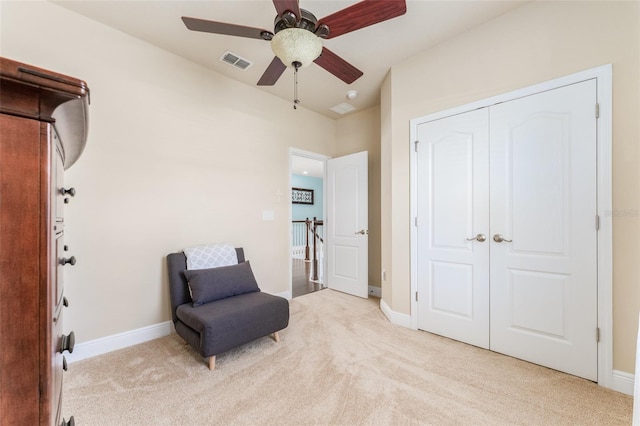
{"x":301,"y":284}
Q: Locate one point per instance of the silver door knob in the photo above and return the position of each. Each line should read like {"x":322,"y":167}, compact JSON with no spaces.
{"x":479,"y":238}
{"x":363,"y":232}
{"x":499,"y":238}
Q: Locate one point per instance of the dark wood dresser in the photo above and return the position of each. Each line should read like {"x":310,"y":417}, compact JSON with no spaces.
{"x":43,"y":129}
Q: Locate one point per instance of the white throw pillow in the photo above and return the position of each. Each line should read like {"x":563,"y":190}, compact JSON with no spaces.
{"x":211,"y":256}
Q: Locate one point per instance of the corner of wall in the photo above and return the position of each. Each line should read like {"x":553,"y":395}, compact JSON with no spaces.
{"x":396,"y":318}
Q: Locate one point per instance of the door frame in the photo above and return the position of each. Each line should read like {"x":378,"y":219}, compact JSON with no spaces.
{"x":604,"y":88}
{"x":314,"y":156}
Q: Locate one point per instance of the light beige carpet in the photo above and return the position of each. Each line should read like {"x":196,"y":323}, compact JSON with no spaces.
{"x":340,"y":362}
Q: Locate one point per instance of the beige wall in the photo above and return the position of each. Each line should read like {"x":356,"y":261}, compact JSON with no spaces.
{"x":537,"y":42}
{"x":385,"y":189}
{"x":361,"y":132}
{"x":177,"y":156}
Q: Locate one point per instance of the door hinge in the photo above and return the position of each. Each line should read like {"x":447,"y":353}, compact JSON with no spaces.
{"x":416,"y":296}
{"x":597,"y":110}
{"x":415,"y":145}
{"x":415,"y":221}
{"x":597,"y":334}
{"x":597,"y":222}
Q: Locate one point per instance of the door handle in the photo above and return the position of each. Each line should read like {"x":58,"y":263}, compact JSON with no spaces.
{"x":363,"y":232}
{"x":479,"y":238}
{"x":499,"y":238}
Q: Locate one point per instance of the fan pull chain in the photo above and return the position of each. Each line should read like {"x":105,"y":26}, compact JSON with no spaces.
{"x":296,"y":101}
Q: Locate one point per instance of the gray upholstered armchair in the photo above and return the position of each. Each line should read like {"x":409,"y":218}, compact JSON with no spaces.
{"x":215,"y":310}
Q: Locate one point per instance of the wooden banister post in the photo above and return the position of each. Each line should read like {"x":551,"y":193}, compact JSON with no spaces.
{"x":306,"y":248}
{"x":314,"y":272}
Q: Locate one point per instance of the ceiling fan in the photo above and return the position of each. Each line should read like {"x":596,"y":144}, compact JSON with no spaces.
{"x":295,"y":39}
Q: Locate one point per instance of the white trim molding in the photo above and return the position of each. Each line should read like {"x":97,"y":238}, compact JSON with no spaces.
{"x":119,"y":341}
{"x":375,"y":291}
{"x":284,"y":294}
{"x":396,"y":318}
{"x":604,"y":77}
{"x":297,"y":152}
{"x":623,"y":382}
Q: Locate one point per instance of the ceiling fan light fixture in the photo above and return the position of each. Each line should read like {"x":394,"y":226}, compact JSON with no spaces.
{"x":292,"y":45}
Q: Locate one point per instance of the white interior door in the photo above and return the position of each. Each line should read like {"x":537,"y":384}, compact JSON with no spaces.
{"x":347,"y":224}
{"x":530,"y":289}
{"x":543,"y":199}
{"x":453,"y":231}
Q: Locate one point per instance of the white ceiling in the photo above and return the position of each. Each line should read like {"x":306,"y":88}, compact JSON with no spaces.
{"x":304,"y":166}
{"x":374,"y":49}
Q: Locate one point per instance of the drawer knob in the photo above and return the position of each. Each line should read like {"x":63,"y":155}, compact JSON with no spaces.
{"x":70,"y":422}
{"x":68,"y":342}
{"x":64,"y":363}
{"x":70,"y":191}
{"x":71,"y":260}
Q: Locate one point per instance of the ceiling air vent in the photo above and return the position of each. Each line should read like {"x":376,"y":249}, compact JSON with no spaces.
{"x":343,"y":108}
{"x":235,"y":60}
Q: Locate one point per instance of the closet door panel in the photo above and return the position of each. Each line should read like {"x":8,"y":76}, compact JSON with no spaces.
{"x":543,"y":207}
{"x":453,"y":208}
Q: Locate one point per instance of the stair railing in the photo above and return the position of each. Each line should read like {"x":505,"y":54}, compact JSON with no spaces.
{"x":307,"y":239}
{"x":316,"y":237}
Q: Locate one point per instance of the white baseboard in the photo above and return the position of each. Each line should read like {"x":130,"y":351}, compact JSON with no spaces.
{"x":285,"y":294}
{"x":396,"y":318}
{"x":119,"y":341}
{"x":375,"y":291}
{"x":623,"y":382}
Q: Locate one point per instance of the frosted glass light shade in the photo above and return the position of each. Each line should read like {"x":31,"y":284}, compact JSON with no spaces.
{"x":296,"y":45}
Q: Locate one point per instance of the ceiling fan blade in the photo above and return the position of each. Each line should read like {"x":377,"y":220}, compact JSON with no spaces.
{"x":272,"y":73}
{"x":202,"y":25}
{"x":362,"y":14}
{"x":338,"y":66}
{"x":283,"y":5}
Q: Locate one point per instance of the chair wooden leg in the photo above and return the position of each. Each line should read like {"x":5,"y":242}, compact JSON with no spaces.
{"x":212,"y":362}
{"x":276,"y":336}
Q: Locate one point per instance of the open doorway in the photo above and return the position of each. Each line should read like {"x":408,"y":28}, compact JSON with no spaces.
{"x":307,"y":171}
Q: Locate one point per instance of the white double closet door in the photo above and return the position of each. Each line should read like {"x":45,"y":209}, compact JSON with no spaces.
{"x":507,"y":239}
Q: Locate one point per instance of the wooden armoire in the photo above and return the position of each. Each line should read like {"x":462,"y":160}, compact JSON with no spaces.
{"x":43,"y":129}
